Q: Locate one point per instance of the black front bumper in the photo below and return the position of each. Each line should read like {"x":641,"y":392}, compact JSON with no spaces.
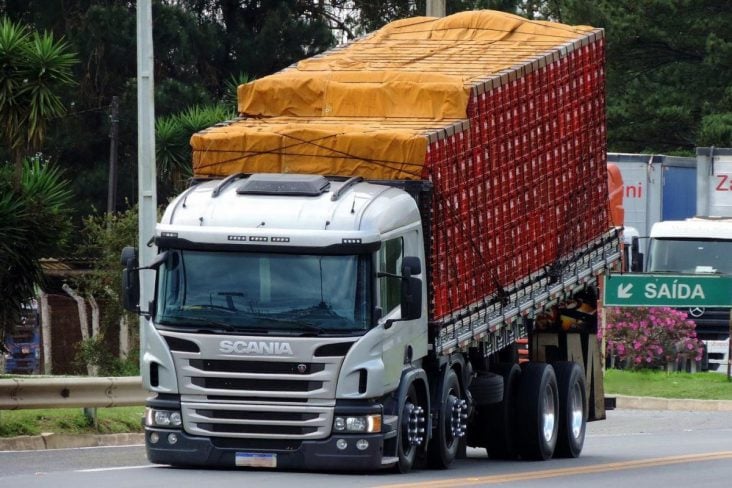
{"x":311,"y":454}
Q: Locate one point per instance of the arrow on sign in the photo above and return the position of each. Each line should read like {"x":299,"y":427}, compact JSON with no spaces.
{"x":624,"y":291}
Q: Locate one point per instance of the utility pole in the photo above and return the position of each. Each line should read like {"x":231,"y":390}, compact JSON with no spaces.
{"x":147,"y":190}
{"x":113,"y":138}
{"x":436,"y":8}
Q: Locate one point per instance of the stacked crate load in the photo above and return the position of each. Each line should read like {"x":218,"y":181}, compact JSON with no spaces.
{"x":505,"y":116}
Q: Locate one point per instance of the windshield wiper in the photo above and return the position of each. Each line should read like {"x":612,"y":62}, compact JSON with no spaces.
{"x":298,"y":323}
{"x":186,"y":321}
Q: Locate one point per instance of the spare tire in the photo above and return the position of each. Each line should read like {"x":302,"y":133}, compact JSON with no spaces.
{"x":486,"y":388}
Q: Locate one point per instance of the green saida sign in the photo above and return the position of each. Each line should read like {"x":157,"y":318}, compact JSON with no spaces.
{"x":661,"y":290}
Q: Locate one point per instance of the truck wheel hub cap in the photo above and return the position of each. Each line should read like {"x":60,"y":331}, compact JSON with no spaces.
{"x":415,"y":424}
{"x":458,"y":416}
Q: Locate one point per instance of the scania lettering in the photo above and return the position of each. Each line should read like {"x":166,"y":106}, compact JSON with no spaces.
{"x":386,"y":258}
{"x":244,"y":347}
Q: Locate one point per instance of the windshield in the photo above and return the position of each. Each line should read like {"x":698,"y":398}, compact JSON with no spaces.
{"x":264,"y":293}
{"x":690,"y":256}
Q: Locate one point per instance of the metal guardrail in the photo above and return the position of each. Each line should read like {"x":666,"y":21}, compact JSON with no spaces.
{"x":84,"y":392}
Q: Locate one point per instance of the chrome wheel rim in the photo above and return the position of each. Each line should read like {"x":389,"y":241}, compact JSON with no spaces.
{"x":577,"y":411}
{"x":549,"y":414}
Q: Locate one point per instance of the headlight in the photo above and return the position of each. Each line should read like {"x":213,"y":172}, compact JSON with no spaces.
{"x":361,"y":423}
{"x":162,"y":418}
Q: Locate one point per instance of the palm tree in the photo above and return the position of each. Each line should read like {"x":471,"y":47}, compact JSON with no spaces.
{"x":34,"y":68}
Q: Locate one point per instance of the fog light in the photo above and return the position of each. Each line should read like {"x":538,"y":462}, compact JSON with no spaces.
{"x":362,"y":444}
{"x":172,"y":439}
{"x":341,"y":444}
{"x":154,"y":438}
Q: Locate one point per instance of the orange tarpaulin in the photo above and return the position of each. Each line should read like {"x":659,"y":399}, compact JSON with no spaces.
{"x":368,"y":108}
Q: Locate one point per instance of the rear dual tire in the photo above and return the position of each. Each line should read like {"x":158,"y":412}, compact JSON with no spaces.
{"x":572,"y":409}
{"x":538,"y":410}
{"x":552,"y":409}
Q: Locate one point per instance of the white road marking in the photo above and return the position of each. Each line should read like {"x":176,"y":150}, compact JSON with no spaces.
{"x":118,"y":468}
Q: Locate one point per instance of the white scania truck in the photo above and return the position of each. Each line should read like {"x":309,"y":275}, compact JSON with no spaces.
{"x":345,"y":283}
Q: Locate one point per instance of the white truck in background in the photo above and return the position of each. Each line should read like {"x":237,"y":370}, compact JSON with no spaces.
{"x":702,"y":245}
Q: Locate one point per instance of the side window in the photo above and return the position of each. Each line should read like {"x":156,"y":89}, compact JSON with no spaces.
{"x":390,"y":261}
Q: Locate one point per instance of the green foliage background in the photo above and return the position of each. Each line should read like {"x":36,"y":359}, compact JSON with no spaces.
{"x":669,"y":66}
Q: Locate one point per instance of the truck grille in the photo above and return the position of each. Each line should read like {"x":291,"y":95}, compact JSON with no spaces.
{"x":257,"y":397}
{"x":262,"y":367}
{"x":252,"y":421}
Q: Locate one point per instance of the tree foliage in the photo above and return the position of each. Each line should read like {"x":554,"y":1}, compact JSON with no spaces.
{"x":669,"y":71}
{"x":104,"y":236}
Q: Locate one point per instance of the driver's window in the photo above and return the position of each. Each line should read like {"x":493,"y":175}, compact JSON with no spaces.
{"x":390,"y":261}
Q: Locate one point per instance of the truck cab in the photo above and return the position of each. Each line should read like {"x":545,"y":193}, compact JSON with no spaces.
{"x":280,"y":298}
{"x":699,"y":245}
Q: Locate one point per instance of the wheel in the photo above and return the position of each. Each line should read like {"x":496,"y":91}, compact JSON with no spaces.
{"x":486,"y":388}
{"x":411,"y":430}
{"x":538,"y":401}
{"x":572,"y":409}
{"x":450,"y":425}
{"x":501,"y":417}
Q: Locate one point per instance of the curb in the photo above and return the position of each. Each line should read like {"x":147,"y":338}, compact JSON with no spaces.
{"x":676,"y":404}
{"x":65,"y":441}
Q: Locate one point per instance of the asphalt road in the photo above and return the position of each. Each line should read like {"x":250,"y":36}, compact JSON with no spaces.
{"x":633,"y":447}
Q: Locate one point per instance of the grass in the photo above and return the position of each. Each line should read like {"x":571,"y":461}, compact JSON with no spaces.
{"x":702,"y":386}
{"x":70,"y":421}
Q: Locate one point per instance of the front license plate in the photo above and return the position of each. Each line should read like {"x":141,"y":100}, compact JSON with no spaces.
{"x":256,"y":460}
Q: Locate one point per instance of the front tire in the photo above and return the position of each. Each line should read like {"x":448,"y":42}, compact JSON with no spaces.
{"x":411,"y":430}
{"x":450,"y":424}
{"x":572,"y":409}
{"x":538,"y":407}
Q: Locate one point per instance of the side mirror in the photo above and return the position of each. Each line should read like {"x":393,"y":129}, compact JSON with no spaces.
{"x":411,"y":290}
{"x":411,"y":266}
{"x":130,"y":280}
{"x":411,"y":298}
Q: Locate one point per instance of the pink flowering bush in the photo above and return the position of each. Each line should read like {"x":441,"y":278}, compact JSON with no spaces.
{"x":650,"y":337}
